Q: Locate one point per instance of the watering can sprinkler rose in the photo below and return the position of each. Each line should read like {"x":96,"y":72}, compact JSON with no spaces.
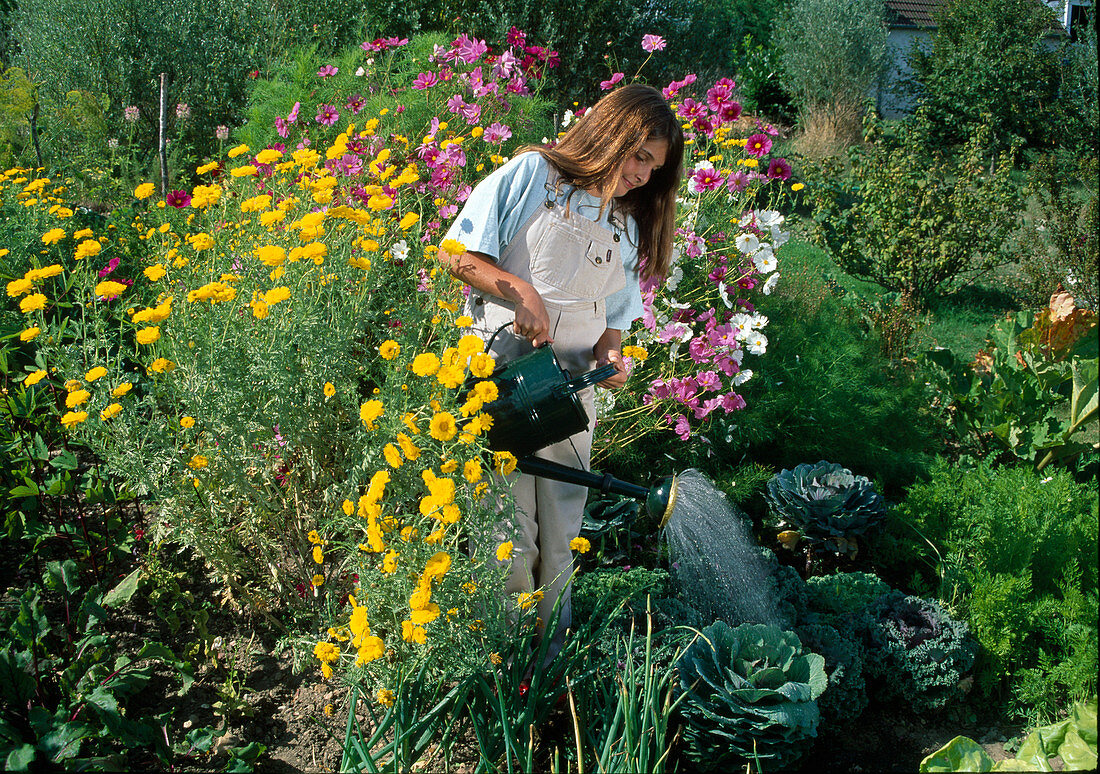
{"x":537,"y":405}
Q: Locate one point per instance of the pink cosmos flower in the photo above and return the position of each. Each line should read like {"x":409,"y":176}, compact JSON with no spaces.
{"x":327,"y":71}
{"x":729,"y":112}
{"x":497,"y":132}
{"x":605,"y":85}
{"x":327,"y":115}
{"x":707,"y":179}
{"x":651,"y":43}
{"x":689,"y":108}
{"x":110,"y":267}
{"x":292,"y":116}
{"x":779,"y":169}
{"x":177,"y":199}
{"x":356,"y":103}
{"x":758,"y":145}
{"x":732,"y":402}
{"x":282,"y":127}
{"x":469,"y":50}
{"x":456,"y":103}
{"x":681,"y":427}
{"x":471,"y":112}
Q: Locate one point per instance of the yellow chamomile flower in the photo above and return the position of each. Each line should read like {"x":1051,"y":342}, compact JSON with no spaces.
{"x":34,"y":377}
{"x":187,"y":422}
{"x":580,"y":545}
{"x":110,"y":411}
{"x":144,"y":191}
{"x":504,"y":551}
{"x":329,"y":389}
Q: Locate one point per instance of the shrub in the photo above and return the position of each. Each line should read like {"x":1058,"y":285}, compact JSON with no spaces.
{"x":828,"y":393}
{"x":987,"y":58}
{"x":751,"y":696}
{"x":912,"y":219}
{"x":598,"y":591}
{"x":916,"y":652}
{"x":1061,"y":248}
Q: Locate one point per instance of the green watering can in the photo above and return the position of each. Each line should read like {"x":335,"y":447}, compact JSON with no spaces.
{"x":537,"y":405}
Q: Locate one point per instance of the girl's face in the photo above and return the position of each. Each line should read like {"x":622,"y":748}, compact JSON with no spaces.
{"x":640,"y":166}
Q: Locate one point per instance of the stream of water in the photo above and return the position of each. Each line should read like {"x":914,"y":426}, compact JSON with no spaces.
{"x":716,"y":562}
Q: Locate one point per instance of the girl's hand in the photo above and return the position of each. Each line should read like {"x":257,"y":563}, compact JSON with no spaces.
{"x":608,"y":350}
{"x":532,"y":321}
{"x":481,"y":272}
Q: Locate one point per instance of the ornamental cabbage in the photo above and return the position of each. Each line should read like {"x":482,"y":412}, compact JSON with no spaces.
{"x":826,"y":504}
{"x":751,"y":695}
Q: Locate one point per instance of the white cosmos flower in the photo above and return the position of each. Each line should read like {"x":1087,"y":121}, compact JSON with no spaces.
{"x":400,"y":250}
{"x":724,"y":294}
{"x":747,"y":243}
{"x":759,"y":321}
{"x":742,"y":325}
{"x":674,"y":277}
{"x":566,"y":118}
{"x":764,"y":261}
{"x":768,"y":218}
{"x":757,"y":343}
{"x":769,"y":286}
{"x":741,"y":377}
{"x":779,"y":238}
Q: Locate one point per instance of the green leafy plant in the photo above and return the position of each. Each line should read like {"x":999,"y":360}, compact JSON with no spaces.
{"x":846,"y":697}
{"x":913,"y":219}
{"x":1034,"y":392}
{"x":826,"y":505}
{"x":751,"y":695}
{"x":66,"y":688}
{"x":1073,"y":740}
{"x":917,"y":652}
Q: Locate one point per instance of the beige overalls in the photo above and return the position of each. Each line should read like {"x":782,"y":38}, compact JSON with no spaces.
{"x":574,"y":264}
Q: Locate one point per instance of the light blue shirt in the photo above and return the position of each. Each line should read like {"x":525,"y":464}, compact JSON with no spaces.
{"x":505,"y":200}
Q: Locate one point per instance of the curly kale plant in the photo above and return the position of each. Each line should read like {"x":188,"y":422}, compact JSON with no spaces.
{"x":826,"y":505}
{"x":916,"y":652}
{"x":751,"y":695}
{"x":846,"y":697}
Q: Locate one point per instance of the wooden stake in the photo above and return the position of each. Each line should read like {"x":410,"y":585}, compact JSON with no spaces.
{"x":163,"y":135}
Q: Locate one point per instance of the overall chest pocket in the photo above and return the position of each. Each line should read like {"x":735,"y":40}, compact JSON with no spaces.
{"x":577,"y":258}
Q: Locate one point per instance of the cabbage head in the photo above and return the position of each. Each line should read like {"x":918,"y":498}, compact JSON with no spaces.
{"x":751,"y":695}
{"x":826,"y":504}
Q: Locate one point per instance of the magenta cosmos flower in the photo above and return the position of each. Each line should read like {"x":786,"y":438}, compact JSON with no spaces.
{"x":327,"y":115}
{"x":707,"y":179}
{"x":758,"y":145}
{"x":177,"y":199}
{"x":779,"y":169}
{"x":651,"y":43}
{"x":327,"y":71}
{"x":605,"y":85}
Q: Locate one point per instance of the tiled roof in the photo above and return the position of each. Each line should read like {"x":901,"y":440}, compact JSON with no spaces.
{"x":912,"y":13}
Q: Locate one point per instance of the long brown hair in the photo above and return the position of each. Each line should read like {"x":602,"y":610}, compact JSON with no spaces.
{"x":592,"y":153}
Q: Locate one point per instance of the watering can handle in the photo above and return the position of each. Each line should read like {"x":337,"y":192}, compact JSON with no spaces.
{"x":588,"y":379}
{"x":489,"y":344}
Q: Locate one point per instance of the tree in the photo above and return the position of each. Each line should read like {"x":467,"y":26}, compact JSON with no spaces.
{"x":989,"y":64}
{"x":832,"y":51}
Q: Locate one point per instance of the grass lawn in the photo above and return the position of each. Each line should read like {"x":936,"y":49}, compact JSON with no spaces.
{"x":958,"y":321}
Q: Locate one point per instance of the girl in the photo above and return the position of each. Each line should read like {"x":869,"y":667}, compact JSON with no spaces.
{"x":553,"y":244}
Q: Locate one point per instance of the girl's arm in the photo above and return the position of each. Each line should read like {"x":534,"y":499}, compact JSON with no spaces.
{"x":480,"y":272}
{"x":609,"y":350}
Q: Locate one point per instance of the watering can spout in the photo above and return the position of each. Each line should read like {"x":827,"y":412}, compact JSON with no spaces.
{"x":659,"y":501}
